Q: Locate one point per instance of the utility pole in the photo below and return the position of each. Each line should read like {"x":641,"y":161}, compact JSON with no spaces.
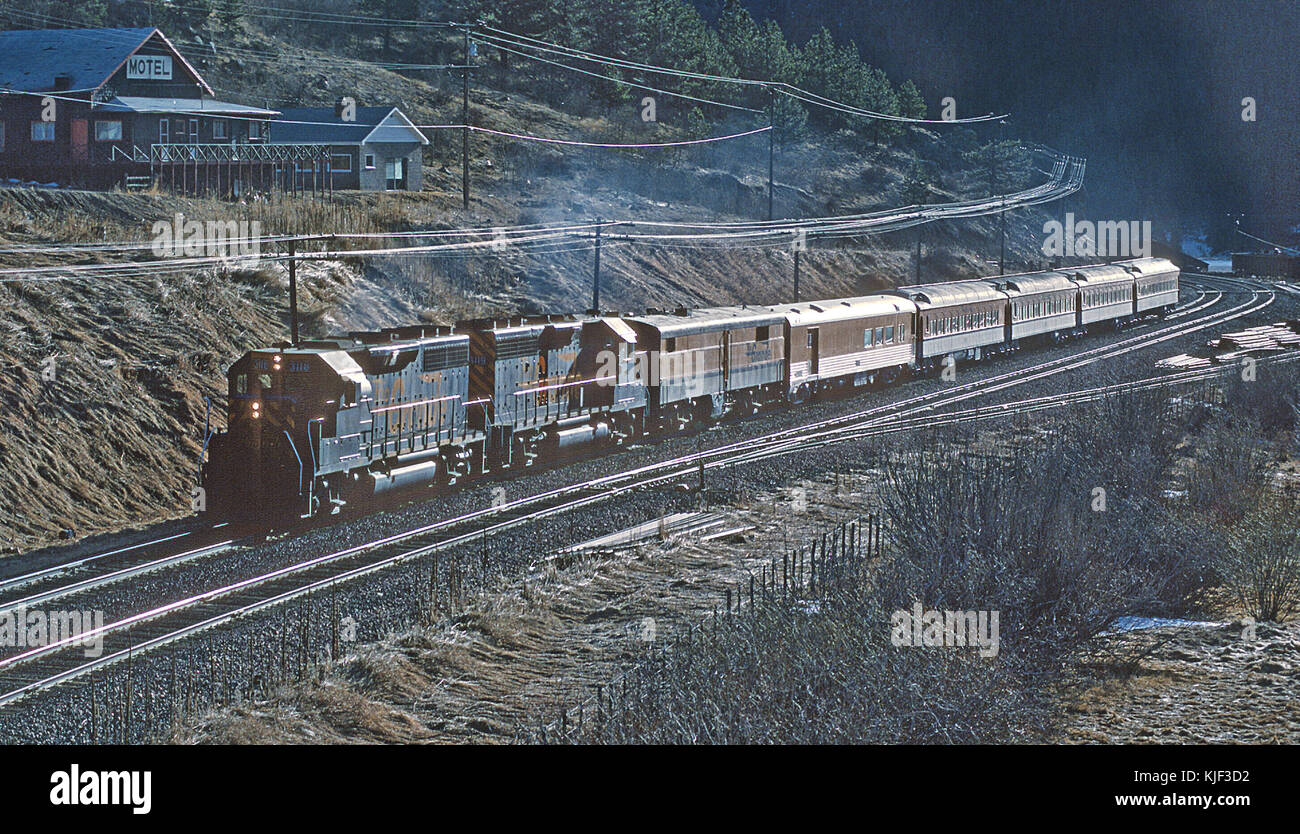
{"x":796,"y":275}
{"x":771,"y":139}
{"x":293,"y":294}
{"x":919,"y":227}
{"x":464,"y":133}
{"x":595,"y":274}
{"x":1002,"y":246}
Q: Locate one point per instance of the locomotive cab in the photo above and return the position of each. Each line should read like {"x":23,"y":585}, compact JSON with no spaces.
{"x":289,"y":411}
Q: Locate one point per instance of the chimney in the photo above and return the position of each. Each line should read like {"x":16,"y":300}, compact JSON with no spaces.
{"x":62,"y":82}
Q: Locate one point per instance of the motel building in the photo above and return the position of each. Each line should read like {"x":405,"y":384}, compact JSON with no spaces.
{"x":96,"y":108}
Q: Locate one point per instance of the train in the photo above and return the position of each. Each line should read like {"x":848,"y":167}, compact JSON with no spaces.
{"x":323,"y":424}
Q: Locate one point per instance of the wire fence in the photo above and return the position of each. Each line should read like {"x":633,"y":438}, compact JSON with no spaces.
{"x":795,"y":579}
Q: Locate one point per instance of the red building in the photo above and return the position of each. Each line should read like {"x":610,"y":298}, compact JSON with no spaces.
{"x":99,"y":107}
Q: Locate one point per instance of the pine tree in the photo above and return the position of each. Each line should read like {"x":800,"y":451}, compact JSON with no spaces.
{"x":910,"y":102}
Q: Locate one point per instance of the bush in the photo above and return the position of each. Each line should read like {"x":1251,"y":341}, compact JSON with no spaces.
{"x":1261,"y":563}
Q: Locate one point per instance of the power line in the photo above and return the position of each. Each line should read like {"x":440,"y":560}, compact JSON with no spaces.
{"x":779,"y":86}
{"x":628,"y":83}
{"x":1067,"y":178}
{"x":1268,"y":242}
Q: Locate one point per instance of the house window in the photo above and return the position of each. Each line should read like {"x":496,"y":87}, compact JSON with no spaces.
{"x":370,"y":161}
{"x":341,"y":162}
{"x":194,"y":131}
{"x":42,"y":131}
{"x":108,"y":131}
{"x":164,"y":132}
{"x":219,"y":129}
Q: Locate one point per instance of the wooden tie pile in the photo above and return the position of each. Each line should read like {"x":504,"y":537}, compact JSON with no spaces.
{"x":1231,"y":347}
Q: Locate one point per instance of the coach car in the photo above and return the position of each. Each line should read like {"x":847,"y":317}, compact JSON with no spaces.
{"x":849,"y":341}
{"x":1156,"y":284}
{"x":962,"y":319}
{"x":705,"y":363}
{"x":1105,"y":293}
{"x":1040,"y":304}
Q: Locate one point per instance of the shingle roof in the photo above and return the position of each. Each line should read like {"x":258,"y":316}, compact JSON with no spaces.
{"x":321,"y":125}
{"x":30,"y":59}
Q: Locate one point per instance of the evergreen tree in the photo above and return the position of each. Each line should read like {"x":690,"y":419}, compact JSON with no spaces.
{"x":910,"y":102}
{"x":916,"y":187}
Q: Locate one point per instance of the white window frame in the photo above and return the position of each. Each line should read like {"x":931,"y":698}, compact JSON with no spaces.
{"x":106,"y":123}
{"x":339,"y":170}
{"x":370,"y":162}
{"x":165,"y":131}
{"x":219,"y":127}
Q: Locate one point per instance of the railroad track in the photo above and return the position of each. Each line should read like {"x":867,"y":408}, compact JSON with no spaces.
{"x":16,"y":593}
{"x":39,"y":668}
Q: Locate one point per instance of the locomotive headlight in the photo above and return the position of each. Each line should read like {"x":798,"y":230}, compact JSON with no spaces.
{"x":257,"y":409}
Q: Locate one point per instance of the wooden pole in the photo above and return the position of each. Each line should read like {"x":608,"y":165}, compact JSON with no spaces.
{"x":595,"y":275}
{"x":771,"y":139}
{"x":464,"y":133}
{"x":293,"y":293}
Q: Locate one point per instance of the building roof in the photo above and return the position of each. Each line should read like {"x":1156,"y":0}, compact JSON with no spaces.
{"x":323,"y":125}
{"x":30,"y":59}
{"x":194,"y":106}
